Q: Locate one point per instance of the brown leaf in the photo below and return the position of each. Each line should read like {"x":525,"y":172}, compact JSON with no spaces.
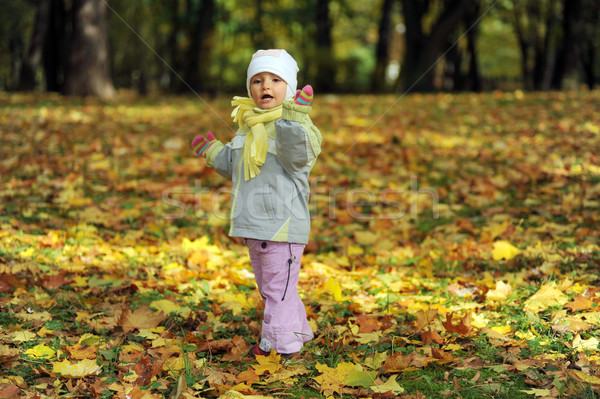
{"x":146,"y":368}
{"x":8,"y":391}
{"x":463,"y":328}
{"x":236,"y":350}
{"x":367,"y":324}
{"x":141,"y":318}
{"x":431,"y":336}
{"x":425,"y":318}
{"x":395,"y":363}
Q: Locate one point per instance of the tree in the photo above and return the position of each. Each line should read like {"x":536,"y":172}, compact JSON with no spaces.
{"x":199,"y":51}
{"x":34,"y":57}
{"x":325,"y":78}
{"x":88,"y":70}
{"x":591,"y":44}
{"x":382,"y":50}
{"x":423,"y":47}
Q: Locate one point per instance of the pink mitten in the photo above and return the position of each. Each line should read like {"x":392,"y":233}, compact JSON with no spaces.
{"x":304,"y":96}
{"x":201,"y":144}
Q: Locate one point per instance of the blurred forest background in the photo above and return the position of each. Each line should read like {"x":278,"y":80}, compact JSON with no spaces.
{"x":91,"y":47}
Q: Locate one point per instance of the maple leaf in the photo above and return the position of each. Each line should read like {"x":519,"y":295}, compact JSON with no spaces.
{"x":334,"y":379}
{"x":41,"y":352}
{"x":248,"y":377}
{"x":548,"y":295}
{"x":504,"y":250}
{"x":9,"y":391}
{"x":80,"y":352}
{"x":146,"y":368}
{"x":463,"y":328}
{"x":367,"y":324}
{"x":391,"y":385}
{"x":501,"y":292}
{"x":141,"y":318}
{"x":80,"y":369}
{"x":268,"y":364}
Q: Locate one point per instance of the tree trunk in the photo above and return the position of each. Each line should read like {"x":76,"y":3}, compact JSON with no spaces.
{"x":198,"y":60}
{"x":55,"y":48}
{"x":570,"y":51}
{"x":473,"y":79}
{"x":590,"y":44}
{"x":173,"y":80}
{"x":34,"y":57}
{"x":422,"y":51}
{"x":325,"y":77}
{"x":88,"y":72}
{"x":382,"y":51}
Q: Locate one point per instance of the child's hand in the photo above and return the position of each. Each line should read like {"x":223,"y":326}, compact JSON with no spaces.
{"x":304,"y":96}
{"x":201,"y":144}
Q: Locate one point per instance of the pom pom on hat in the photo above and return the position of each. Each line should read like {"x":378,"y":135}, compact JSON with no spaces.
{"x":278,"y":62}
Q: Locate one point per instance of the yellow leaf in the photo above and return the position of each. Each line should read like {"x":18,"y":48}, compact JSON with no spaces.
{"x":504,"y":250}
{"x":537,"y":392}
{"x":502,"y":291}
{"x":355,"y":250}
{"x":174,"y":364}
{"x":502,"y":329}
{"x":166,"y":306}
{"x":237,"y":395}
{"x":6,"y":352}
{"x":80,"y":369}
{"x":22,"y":336}
{"x":365,"y":237}
{"x":366,"y":338}
{"x":478,"y":320}
{"x":332,"y":379}
{"x":590,"y":379}
{"x":268,"y":364}
{"x":41,"y":352}
{"x":391,"y":385}
{"x":335,"y":288}
{"x":583,"y":344}
{"x":547,"y":296}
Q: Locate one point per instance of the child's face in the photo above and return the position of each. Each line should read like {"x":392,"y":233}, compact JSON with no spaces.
{"x":268,"y":90}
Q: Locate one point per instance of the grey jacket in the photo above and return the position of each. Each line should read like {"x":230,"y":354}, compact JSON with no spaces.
{"x":273,"y":205}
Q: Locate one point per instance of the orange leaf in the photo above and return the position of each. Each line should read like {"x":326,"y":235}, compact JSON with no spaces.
{"x":247,"y":377}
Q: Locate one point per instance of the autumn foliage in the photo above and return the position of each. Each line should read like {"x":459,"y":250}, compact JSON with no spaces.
{"x":454,"y":251}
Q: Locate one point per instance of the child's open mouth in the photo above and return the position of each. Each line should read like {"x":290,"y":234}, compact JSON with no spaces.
{"x":267,"y":97}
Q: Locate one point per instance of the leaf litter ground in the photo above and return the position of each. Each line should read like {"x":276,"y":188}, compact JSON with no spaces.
{"x":454,"y":251}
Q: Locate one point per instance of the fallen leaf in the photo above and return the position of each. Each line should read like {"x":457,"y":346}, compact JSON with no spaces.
{"x":268,"y":364}
{"x":41,"y":352}
{"x":504,"y":250}
{"x":391,"y":385}
{"x":141,"y":318}
{"x":80,"y":369}
{"x":500,"y":293}
{"x":548,"y":295}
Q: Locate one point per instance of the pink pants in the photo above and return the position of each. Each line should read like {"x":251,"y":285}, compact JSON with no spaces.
{"x":285,"y":327}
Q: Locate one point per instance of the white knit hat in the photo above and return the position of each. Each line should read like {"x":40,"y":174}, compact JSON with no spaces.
{"x":278,"y":62}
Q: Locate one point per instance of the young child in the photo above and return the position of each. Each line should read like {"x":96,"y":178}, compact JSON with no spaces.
{"x":269,"y":161}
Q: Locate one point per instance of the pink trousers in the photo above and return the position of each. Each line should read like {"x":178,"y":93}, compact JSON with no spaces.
{"x":277,"y":270}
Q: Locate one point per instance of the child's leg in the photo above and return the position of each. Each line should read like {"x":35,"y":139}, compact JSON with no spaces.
{"x":285,"y":325}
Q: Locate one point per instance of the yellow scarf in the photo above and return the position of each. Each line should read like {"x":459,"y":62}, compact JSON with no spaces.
{"x":255,"y":147}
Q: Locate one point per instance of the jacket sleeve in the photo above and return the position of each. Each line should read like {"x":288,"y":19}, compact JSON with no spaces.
{"x":219,"y":156}
{"x":298,"y":141}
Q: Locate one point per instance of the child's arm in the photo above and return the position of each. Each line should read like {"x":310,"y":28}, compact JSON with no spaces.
{"x":298,"y":140}
{"x":216,"y":153}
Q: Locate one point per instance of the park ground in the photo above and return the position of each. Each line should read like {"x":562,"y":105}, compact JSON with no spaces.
{"x":454,"y":251}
